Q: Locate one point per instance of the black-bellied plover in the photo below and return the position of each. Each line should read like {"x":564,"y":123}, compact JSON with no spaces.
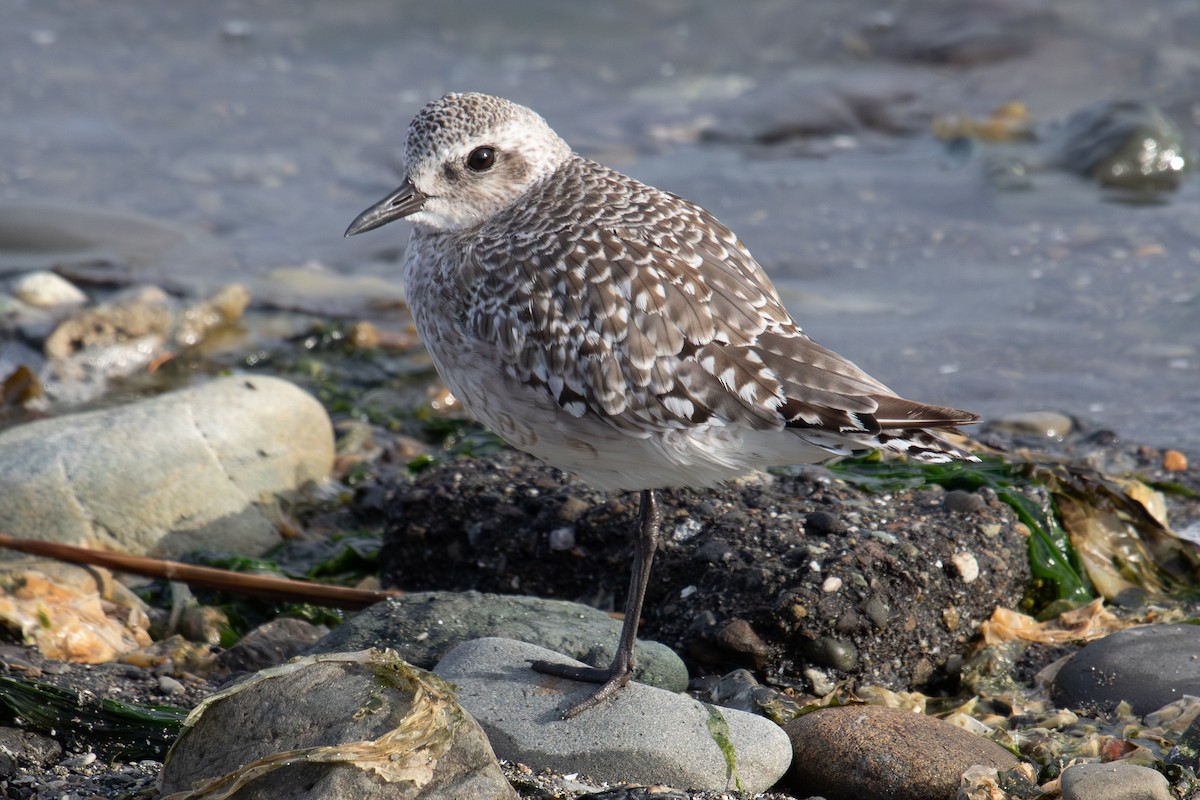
{"x":614,"y":330}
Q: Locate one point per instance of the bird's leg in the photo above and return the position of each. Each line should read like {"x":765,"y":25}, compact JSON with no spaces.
{"x":621,"y":670}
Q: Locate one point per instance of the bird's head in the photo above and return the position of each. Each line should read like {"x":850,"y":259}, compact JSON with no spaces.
{"x":469,"y":157}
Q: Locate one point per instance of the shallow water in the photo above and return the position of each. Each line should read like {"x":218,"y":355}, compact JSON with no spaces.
{"x":194,"y":144}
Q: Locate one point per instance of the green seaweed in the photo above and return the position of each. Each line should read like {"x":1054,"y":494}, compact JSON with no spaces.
{"x":114,"y":729}
{"x":718,"y":728}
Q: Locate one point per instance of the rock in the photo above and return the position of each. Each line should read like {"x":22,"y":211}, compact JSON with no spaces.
{"x":126,"y":334}
{"x":1148,"y":667}
{"x":424,"y":626}
{"x":961,"y":502}
{"x":1114,"y":781}
{"x":1174,"y":461}
{"x":642,"y":735}
{"x":822,"y":523}
{"x":851,"y":752}
{"x":20,"y":748}
{"x":271,"y":643}
{"x":193,"y":468}
{"x":1050,"y":424}
{"x":351,"y":725}
{"x":44,"y":289}
{"x":1128,"y":144}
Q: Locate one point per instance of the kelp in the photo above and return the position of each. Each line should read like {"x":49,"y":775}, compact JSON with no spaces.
{"x":114,"y":729}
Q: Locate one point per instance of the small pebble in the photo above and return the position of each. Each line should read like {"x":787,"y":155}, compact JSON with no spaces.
{"x":831,"y":584}
{"x":169,"y":686}
{"x":44,"y":289}
{"x":572,"y":509}
{"x":822,"y":523}
{"x":1174,"y":461}
{"x":967,"y":566}
{"x":562,"y":538}
{"x":961,"y":502}
{"x":81,"y":760}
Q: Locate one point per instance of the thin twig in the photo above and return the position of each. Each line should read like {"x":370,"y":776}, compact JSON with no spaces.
{"x":226,"y":580}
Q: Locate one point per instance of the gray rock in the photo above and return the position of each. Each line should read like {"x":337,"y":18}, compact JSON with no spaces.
{"x":852,"y":752}
{"x":364,"y":725}
{"x":962,"y":502}
{"x":1114,"y":781}
{"x":20,"y":748}
{"x":643,"y":735}
{"x":1050,"y":424}
{"x":1148,"y":667}
{"x":193,"y":468}
{"x":425,"y":626}
{"x":271,"y":643}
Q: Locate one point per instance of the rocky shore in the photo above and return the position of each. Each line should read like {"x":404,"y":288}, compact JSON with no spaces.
{"x":851,"y":630}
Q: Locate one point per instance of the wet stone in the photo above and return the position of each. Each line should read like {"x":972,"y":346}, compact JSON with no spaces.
{"x":852,"y":752}
{"x":960,"y":502}
{"x":20,"y":748}
{"x":270,"y":644}
{"x":1114,"y":781}
{"x":1148,"y":667}
{"x":830,"y":652}
{"x":822,"y":523}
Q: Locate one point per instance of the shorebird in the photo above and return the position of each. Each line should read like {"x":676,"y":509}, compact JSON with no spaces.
{"x":619,"y":332}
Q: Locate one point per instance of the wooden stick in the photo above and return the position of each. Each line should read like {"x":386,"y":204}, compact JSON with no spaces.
{"x":204,"y":577}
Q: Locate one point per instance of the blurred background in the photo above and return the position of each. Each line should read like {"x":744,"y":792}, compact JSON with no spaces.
{"x":984,"y":204}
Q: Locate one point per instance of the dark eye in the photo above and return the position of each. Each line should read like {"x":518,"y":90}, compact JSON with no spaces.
{"x":481,"y":159}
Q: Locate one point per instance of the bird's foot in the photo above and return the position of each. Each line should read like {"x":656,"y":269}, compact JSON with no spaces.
{"x":610,"y":681}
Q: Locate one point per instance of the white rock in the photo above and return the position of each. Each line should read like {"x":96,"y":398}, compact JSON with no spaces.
{"x":642,"y":735}
{"x":45,"y":289}
{"x":194,"y":468}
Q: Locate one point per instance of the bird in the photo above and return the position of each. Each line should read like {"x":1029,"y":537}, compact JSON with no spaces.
{"x":617,"y":331}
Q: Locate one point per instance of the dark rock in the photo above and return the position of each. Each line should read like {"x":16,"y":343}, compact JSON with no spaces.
{"x":738,"y":636}
{"x":269,"y":644}
{"x":960,"y":502}
{"x":830,"y":652}
{"x":852,"y":752}
{"x":1148,"y":667}
{"x":822,"y":523}
{"x":20,"y":748}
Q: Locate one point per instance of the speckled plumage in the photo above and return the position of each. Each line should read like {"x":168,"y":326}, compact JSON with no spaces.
{"x":615,"y":330}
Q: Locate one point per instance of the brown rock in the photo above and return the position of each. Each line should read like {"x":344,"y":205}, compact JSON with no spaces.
{"x":1174,"y":461}
{"x":852,"y":752}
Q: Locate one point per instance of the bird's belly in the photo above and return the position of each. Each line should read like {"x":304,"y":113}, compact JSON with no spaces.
{"x":600,"y":453}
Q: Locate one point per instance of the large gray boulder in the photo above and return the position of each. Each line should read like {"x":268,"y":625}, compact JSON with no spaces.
{"x":199,"y":467}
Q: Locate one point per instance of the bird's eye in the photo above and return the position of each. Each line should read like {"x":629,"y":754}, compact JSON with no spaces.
{"x":481,"y":159}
